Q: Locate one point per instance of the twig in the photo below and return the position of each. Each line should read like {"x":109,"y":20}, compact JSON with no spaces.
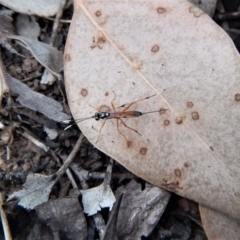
{"x":31,"y":78}
{"x":34,"y":140}
{"x":61,"y":20}
{"x":68,"y":161}
{"x":100,"y":224}
{"x":4,"y":85}
{"x":83,"y":177}
{"x":52,"y":43}
{"x":6,"y":228}
{"x":56,"y":23}
{"x":227,"y":16}
{"x":86,"y":175}
{"x":41,"y":145}
{"x":100,"y":175}
{"x":221,"y":9}
{"x":29,"y":113}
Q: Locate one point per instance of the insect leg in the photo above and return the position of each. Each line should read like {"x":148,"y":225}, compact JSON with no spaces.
{"x":101,"y":129}
{"x":125,"y":125}
{"x":121,"y":132}
{"x":113,"y":107}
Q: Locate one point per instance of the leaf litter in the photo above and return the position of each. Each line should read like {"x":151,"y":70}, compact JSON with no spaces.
{"x":95,"y":174}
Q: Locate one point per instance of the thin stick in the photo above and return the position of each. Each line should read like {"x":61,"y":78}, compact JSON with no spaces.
{"x":6,"y":229}
{"x":68,"y":161}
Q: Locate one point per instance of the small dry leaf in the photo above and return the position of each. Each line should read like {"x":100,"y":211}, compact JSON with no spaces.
{"x":96,"y":198}
{"x":45,"y":54}
{"x":47,"y":78}
{"x":37,"y":101}
{"x":51,"y":132}
{"x":64,"y":215}
{"x":44,"y":8}
{"x":138,"y":49}
{"x":27,"y":26}
{"x":140,"y":210}
{"x":35,"y":191}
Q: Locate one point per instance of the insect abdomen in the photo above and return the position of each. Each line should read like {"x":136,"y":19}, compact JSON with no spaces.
{"x":131,"y":114}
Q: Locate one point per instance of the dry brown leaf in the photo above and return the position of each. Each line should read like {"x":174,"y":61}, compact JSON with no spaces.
{"x":138,"y":49}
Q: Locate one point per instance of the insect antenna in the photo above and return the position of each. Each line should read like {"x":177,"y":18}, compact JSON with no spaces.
{"x":131,"y":103}
{"x":73,"y":122}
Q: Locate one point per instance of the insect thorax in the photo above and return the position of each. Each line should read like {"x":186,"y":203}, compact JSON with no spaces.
{"x":101,"y":115}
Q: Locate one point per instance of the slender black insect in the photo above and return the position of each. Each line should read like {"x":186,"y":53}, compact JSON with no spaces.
{"x":119,"y":116}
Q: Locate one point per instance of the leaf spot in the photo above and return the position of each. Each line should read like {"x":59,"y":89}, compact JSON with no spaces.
{"x":97,"y":42}
{"x":67,"y":57}
{"x":186,"y":165}
{"x":98,"y":13}
{"x":166,"y":122}
{"x":237,"y":97}
{"x":161,"y":10}
{"x":195,"y":115}
{"x":179,"y":119}
{"x":155,"y":48}
{"x":190,"y":104}
{"x":84,"y":92}
{"x":129,"y":144}
{"x":177,"y":172}
{"x":143,"y":151}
